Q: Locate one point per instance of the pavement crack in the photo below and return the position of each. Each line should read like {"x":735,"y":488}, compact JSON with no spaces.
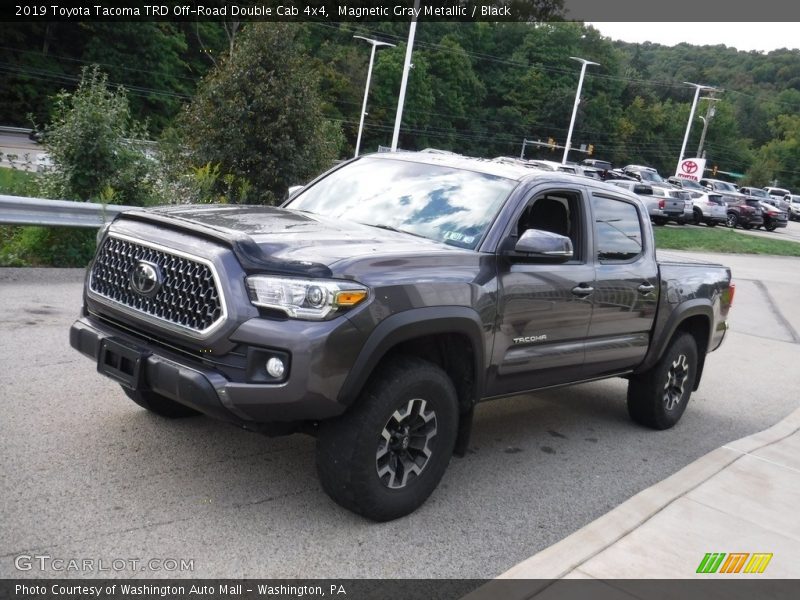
{"x":773,"y":307}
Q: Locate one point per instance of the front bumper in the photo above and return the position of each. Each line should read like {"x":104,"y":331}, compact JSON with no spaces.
{"x":194,"y":382}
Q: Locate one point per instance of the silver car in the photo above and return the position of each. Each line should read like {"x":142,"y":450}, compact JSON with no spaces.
{"x":709,"y":208}
{"x":794,"y":206}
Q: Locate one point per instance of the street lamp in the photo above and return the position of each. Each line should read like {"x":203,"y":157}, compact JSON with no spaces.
{"x":398,"y":118}
{"x":584,"y":64}
{"x":697,"y":88}
{"x":374,"y":44}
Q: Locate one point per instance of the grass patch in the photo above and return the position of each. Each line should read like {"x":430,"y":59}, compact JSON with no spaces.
{"x":17,"y":183}
{"x":721,"y":239}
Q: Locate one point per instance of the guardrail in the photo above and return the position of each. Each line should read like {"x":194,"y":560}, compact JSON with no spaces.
{"x":6,"y":129}
{"x":19,"y":210}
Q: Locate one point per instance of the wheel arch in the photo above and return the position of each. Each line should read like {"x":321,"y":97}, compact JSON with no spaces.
{"x":449,"y":336}
{"x":695,"y":317}
{"x":416,"y":332}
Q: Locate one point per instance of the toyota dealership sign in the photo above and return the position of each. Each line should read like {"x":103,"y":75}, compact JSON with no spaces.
{"x":691,"y":168}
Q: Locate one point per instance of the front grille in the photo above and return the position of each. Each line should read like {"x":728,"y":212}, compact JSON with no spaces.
{"x":187,"y":298}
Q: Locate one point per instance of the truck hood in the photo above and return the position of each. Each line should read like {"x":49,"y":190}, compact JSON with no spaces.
{"x":286,"y":240}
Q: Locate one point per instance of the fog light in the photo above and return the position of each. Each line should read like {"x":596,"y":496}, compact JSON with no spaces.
{"x":275,"y":367}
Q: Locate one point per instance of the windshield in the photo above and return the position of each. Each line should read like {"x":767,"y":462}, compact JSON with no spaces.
{"x":758,"y":193}
{"x":724,"y":186}
{"x":448,"y":205}
{"x":692,"y":185}
{"x":650,"y":176}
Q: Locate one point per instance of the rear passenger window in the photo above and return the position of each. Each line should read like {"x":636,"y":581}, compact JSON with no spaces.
{"x":617,"y":230}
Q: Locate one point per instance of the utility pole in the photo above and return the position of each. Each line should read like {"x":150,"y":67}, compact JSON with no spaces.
{"x":584,"y":64}
{"x":697,"y":88}
{"x":710,"y":112}
{"x":406,"y":68}
{"x":374,"y":44}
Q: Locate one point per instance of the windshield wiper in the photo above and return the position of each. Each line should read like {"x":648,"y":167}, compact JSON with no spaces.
{"x":395,"y":229}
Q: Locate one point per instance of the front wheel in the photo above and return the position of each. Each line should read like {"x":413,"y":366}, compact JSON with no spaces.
{"x":711,"y":223}
{"x":658,"y":397}
{"x":732,"y":220}
{"x":383,"y":458}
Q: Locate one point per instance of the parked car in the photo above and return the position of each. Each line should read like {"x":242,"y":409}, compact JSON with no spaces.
{"x":777,"y":193}
{"x":643,"y":174}
{"x":663,"y":205}
{"x":773,"y":216}
{"x":726,"y":189}
{"x":689,"y":185}
{"x":600,"y":165}
{"x":763,"y":196}
{"x":794,"y":206}
{"x":376,"y":307}
{"x":741,"y":211}
{"x":709,"y":208}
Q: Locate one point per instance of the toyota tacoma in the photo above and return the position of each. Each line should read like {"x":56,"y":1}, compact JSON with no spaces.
{"x":379,"y":304}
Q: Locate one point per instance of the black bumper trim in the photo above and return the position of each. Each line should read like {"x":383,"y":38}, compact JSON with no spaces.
{"x":207,"y":390}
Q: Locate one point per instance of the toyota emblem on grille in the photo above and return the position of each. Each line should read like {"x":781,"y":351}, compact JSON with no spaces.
{"x":145,"y":279}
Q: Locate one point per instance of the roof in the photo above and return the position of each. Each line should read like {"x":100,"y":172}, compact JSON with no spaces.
{"x":457,"y":161}
{"x":495,"y":168}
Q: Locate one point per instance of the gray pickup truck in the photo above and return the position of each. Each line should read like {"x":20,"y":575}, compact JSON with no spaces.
{"x":388,"y":297}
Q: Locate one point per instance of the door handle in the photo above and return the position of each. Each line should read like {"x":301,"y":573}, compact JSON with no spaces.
{"x":646,"y":288}
{"x":582,"y":290}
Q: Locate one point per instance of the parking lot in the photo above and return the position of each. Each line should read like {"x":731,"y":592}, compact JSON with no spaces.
{"x":87,"y":474}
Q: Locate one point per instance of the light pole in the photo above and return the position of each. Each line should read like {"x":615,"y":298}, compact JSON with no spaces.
{"x":374,"y":44}
{"x":697,"y":88}
{"x":584,"y":64}
{"x":406,"y":68}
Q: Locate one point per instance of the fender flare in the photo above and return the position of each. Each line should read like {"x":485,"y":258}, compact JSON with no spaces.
{"x":410,"y":324}
{"x":685,"y":310}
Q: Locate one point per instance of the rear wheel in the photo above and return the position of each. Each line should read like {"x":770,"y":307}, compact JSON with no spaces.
{"x":158,"y":404}
{"x":770,"y":226}
{"x":660,"y":221}
{"x":384,"y":457}
{"x":732,"y":220}
{"x":658,"y":397}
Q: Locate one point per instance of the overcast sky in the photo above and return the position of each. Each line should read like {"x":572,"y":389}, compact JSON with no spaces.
{"x":742,"y":36}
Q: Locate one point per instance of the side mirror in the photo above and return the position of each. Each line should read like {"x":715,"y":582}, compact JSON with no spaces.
{"x":544,"y":244}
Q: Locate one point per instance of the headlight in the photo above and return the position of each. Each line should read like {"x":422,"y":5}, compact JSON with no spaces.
{"x":313,"y":299}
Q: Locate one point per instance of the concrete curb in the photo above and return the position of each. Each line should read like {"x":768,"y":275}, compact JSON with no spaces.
{"x":568,"y":554}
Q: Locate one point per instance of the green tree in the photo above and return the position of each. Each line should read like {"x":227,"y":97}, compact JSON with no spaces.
{"x":97,"y":148}
{"x":258,"y":118}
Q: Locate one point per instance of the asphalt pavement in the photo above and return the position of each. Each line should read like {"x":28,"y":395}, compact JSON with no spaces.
{"x":87,"y":474}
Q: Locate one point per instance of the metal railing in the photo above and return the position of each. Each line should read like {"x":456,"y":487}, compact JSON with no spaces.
{"x":18,"y":210}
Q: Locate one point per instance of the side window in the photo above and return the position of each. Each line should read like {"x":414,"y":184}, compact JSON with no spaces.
{"x":618,"y":232}
{"x":556,"y":212}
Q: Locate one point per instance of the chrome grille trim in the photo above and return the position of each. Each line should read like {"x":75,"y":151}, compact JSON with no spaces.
{"x":115,"y":291}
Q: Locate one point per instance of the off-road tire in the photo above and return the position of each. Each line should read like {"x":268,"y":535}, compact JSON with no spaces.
{"x":158,"y":404}
{"x":654,"y":398}
{"x":352,"y":448}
